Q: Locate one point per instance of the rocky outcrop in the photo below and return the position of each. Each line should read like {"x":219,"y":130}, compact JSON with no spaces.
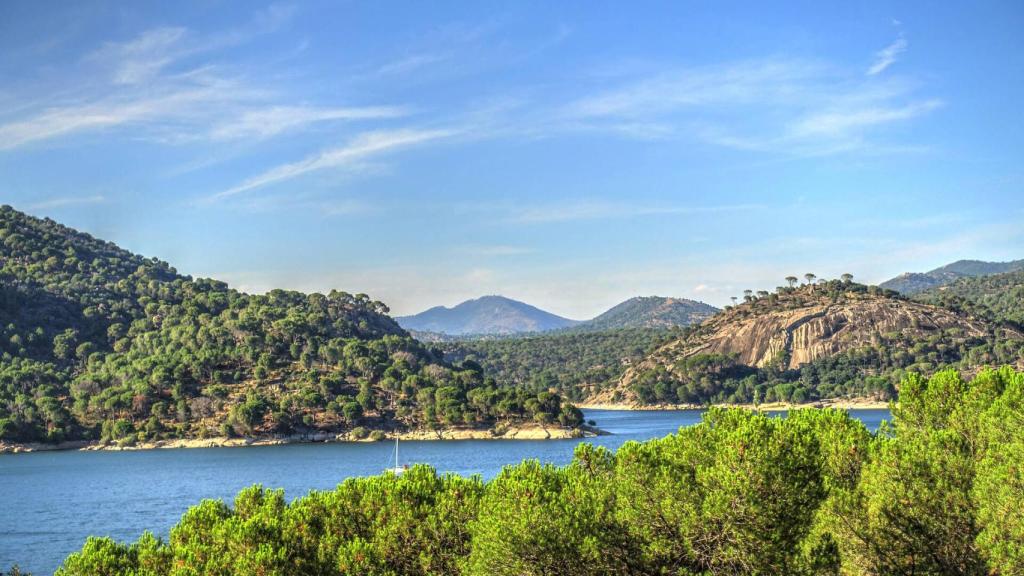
{"x":796,"y":327}
{"x":805,"y":334}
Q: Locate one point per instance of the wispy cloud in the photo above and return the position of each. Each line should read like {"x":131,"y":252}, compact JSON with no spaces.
{"x":409,"y":63}
{"x":841,"y":122}
{"x":273,"y":120}
{"x":724,"y":84}
{"x":161,"y":84}
{"x":183,"y":101}
{"x":887,"y":56}
{"x":358,"y":149}
{"x":496,"y":250}
{"x":601,"y":210}
{"x":778,"y":105}
{"x":66,"y":201}
{"x":142,"y":58}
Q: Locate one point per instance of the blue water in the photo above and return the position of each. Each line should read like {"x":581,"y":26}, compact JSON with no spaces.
{"x":51,"y":501}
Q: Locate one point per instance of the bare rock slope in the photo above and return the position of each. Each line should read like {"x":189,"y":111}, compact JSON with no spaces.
{"x":797,"y":326}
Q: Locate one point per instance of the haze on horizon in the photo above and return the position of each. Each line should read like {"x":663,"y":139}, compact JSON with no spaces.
{"x":568,"y":155}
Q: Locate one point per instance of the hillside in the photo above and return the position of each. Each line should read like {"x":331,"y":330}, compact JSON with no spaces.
{"x":914,"y":282}
{"x":576,"y":364}
{"x":651,"y":312}
{"x":814,"y":341}
{"x":101,"y":344}
{"x":485,"y":315}
{"x":999,"y":297}
{"x":584,"y":359}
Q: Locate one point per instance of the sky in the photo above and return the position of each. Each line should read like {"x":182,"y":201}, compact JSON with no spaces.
{"x":568,"y":154}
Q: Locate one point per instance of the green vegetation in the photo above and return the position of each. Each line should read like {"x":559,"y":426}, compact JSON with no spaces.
{"x":718,"y":378}
{"x":98,"y":343}
{"x":575,"y":364}
{"x":650,"y":312}
{"x":941,"y":491}
{"x":998,"y":298}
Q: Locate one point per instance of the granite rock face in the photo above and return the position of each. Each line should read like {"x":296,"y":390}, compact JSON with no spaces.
{"x":802,"y":325}
{"x":811,"y":332}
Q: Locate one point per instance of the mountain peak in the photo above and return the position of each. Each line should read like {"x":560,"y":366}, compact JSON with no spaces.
{"x":914,"y":282}
{"x":490,"y":314}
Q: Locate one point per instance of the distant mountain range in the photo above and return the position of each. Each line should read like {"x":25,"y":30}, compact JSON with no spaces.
{"x":914,"y":282}
{"x":497,"y":315}
{"x":485,"y":315}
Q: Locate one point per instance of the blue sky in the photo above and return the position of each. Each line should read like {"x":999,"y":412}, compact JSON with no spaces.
{"x":568,"y":154}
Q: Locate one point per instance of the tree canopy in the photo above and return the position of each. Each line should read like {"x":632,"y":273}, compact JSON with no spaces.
{"x":939,"y":491}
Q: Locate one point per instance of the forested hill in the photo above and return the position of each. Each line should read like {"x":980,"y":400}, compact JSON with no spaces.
{"x":914,"y":282}
{"x":651,"y":312}
{"x":99,"y":343}
{"x":815,"y":341}
{"x":577,"y":364}
{"x":998,"y":297}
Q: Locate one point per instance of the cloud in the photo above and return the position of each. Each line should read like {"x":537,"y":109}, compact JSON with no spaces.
{"x":273,"y":120}
{"x":887,"y":56}
{"x":730,"y":83}
{"x":359,"y":148}
{"x":160,"y":83}
{"x":778,"y":105}
{"x":840,"y":122}
{"x":65,"y":201}
{"x":141,"y":59}
{"x":601,"y":210}
{"x":409,"y":63}
{"x":496,"y":250}
{"x":183,"y":101}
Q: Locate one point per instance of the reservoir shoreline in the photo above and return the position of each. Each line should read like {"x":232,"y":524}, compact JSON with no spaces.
{"x":529,"y":432}
{"x":840,"y":403}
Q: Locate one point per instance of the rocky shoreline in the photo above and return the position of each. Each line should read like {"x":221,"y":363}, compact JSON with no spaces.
{"x":530,"y":432}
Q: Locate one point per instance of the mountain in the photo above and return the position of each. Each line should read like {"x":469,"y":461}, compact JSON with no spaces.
{"x":485,"y":315}
{"x":651,"y":312}
{"x":500,"y":316}
{"x":586,"y":358}
{"x":811,"y":342}
{"x":97,"y":343}
{"x":914,"y":282}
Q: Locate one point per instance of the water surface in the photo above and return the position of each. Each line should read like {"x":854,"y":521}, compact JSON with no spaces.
{"x":53,"y":500}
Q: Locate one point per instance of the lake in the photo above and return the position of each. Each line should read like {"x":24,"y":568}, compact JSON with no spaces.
{"x":53,"y":500}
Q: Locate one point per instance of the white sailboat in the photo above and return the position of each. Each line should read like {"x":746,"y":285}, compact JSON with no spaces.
{"x":397,"y":470}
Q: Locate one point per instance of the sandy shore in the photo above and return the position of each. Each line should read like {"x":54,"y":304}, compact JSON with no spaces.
{"x":528,"y":432}
{"x":841,"y":403}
